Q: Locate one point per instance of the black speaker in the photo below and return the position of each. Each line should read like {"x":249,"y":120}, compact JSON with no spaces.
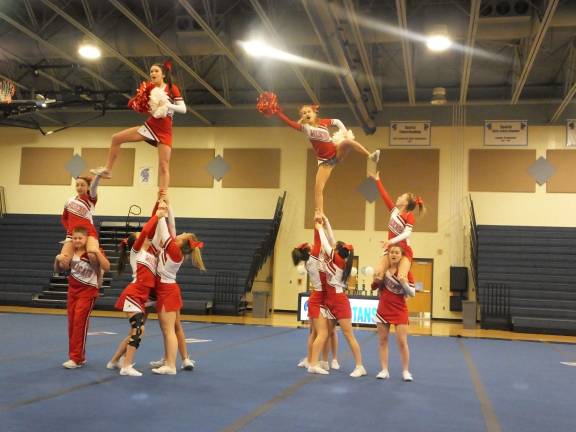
{"x":458,"y":279}
{"x":456,"y":303}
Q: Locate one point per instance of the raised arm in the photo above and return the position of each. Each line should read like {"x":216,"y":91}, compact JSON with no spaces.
{"x":329,"y":232}
{"x":384,"y":194}
{"x":94,"y":187}
{"x":288,"y":121}
{"x":326,"y":246}
{"x":317,"y":245}
{"x":147,"y":232}
{"x":171,"y":222}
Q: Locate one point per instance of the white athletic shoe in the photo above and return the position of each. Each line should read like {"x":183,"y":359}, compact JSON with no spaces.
{"x":130,"y":371}
{"x":102,"y":172}
{"x":71,"y":364}
{"x":358,"y":372}
{"x":164,"y":370}
{"x":113,"y":365}
{"x":303,"y":363}
{"x":334,"y":364}
{"x":324,"y":365}
{"x":383,"y":374}
{"x":317,"y":370}
{"x":188,"y":364}
{"x":407,"y":376}
{"x":158,"y":363}
{"x":375,"y":156}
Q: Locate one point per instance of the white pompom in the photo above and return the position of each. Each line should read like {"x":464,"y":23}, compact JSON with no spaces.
{"x":368,"y":271}
{"x":158,"y":103}
{"x":354,"y":271}
{"x":301,"y":269}
{"x":342,"y":135}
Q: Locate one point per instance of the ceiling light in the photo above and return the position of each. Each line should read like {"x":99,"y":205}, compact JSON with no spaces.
{"x":89,"y":51}
{"x":438,"y":39}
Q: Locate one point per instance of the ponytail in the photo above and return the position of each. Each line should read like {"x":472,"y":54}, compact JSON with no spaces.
{"x":300,"y":253}
{"x":124,"y":247}
{"x":346,"y":251}
{"x":191,"y":246}
{"x":415,"y":201}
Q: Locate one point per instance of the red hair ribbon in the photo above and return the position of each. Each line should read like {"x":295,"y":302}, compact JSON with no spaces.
{"x":302,"y":245}
{"x":348,"y":246}
{"x":419,"y":201}
{"x":124,"y":242}
{"x":167,"y":65}
{"x":268,"y":104}
{"x":195,"y":244}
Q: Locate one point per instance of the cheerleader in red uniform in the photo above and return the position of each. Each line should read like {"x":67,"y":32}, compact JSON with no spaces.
{"x":392,"y":309}
{"x":338,"y":264}
{"x":313,"y":264}
{"x":329,"y":149}
{"x":144,"y":258}
{"x":399,"y":229}
{"x":173,"y":252}
{"x":83,"y":283}
{"x":160,"y":98}
{"x":78,"y":211}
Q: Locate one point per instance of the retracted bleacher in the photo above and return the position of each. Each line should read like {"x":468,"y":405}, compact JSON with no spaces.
{"x":234,"y":252}
{"x":527,"y":275}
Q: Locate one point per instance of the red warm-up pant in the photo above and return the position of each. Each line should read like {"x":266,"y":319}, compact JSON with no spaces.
{"x":79,"y":306}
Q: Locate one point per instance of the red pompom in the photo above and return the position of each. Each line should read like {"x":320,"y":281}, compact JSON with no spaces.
{"x":139,"y":102}
{"x":268,"y":104}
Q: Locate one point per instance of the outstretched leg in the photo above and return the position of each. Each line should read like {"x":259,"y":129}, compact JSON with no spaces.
{"x":345,"y":146}
{"x":164,"y":153}
{"x":127,"y":135}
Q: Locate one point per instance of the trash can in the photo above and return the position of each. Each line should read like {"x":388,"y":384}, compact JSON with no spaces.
{"x":469,"y":314}
{"x":260,"y":304}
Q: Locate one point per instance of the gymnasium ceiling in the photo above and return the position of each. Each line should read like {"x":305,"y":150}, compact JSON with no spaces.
{"x":522,"y":65}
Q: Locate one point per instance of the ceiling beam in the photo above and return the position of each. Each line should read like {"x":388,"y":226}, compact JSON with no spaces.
{"x":537,"y":39}
{"x":278,"y":42}
{"x":31,"y":14}
{"x":223,"y":46}
{"x":364,"y":58}
{"x":406,"y":50}
{"x":57,"y":51}
{"x":470,"y":42}
{"x":326,"y":28}
{"x":171,"y":53}
{"x":569,"y":81}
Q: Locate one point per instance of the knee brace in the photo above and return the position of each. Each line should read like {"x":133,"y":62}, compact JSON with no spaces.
{"x":136,"y":322}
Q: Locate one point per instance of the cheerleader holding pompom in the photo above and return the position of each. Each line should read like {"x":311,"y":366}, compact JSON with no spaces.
{"x":160,"y":99}
{"x":329,"y":149}
{"x":399,"y":229}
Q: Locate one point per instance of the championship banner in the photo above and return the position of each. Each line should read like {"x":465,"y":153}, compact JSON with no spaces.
{"x":571,"y":133}
{"x":404,"y":133}
{"x":505,"y":133}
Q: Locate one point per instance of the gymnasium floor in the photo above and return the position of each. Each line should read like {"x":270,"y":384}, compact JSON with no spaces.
{"x":246,"y":379}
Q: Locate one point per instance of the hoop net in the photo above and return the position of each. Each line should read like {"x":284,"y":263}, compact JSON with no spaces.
{"x":7,"y":90}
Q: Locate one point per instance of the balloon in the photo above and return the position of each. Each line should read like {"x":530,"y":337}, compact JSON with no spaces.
{"x":301,"y":269}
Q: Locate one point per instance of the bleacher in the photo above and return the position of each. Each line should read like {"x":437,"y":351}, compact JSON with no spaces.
{"x":526,"y":278}
{"x":234,"y":252}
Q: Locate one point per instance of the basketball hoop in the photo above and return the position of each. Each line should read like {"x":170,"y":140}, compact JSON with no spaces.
{"x":7,"y":90}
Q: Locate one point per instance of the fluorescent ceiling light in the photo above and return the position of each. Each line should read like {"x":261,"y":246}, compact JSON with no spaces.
{"x":89,"y":51}
{"x":438,"y":42}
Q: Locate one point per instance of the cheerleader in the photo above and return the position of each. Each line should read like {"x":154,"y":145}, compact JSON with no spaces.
{"x":160,"y":98}
{"x":78,"y":211}
{"x":313,"y":264}
{"x":338,"y":264}
{"x":86,"y":270}
{"x":329,"y":149}
{"x":392,"y":309}
{"x":143,"y":258}
{"x":173,"y":252}
{"x":399,"y":229}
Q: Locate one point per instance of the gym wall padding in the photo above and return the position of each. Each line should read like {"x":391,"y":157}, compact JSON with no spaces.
{"x":188,"y":168}
{"x":45,"y":166}
{"x":252,"y":168}
{"x":410,"y":170}
{"x":563,"y":180}
{"x":501,"y":170}
{"x":343,"y":204}
{"x":123,"y":172}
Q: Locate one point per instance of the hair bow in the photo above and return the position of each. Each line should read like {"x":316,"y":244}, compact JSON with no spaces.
{"x":167,"y":65}
{"x":419,"y":201}
{"x":195,"y":244}
{"x":348,"y":246}
{"x":123,"y":242}
{"x":303,"y":245}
